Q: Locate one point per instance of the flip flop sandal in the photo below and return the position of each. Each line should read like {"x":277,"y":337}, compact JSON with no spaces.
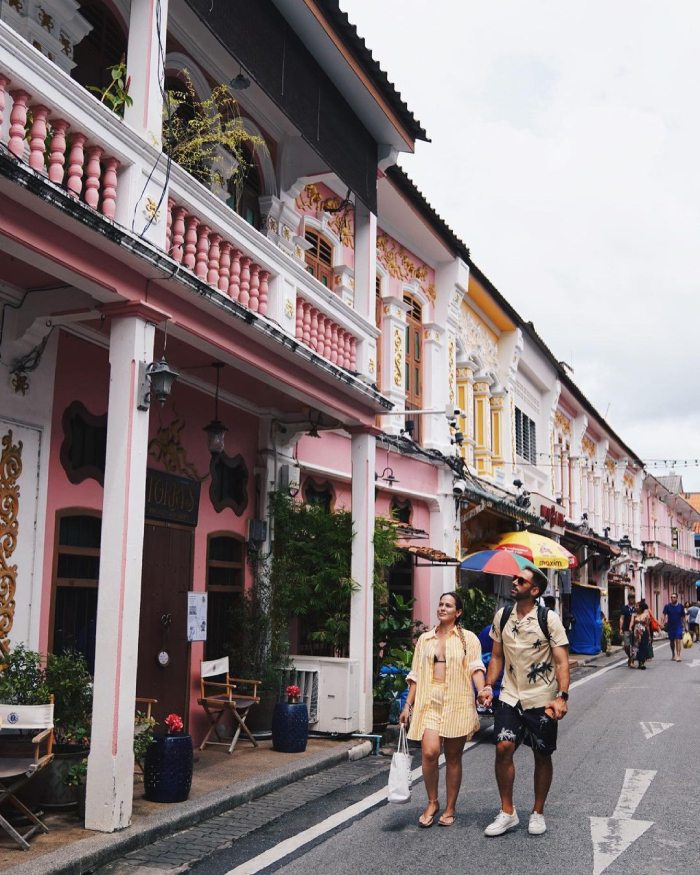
{"x":431,"y":819}
{"x":444,"y":820}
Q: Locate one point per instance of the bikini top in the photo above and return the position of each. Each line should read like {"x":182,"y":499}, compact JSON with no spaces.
{"x":435,"y":659}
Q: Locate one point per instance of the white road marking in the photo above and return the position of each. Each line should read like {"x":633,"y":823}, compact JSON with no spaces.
{"x":652,"y":728}
{"x":611,"y":836}
{"x":694,"y":664}
{"x":290,"y":845}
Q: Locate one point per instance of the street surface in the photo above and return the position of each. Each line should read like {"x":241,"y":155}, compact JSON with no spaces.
{"x":624,"y":799}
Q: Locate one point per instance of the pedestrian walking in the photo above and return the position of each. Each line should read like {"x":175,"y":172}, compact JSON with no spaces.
{"x":626,"y":615}
{"x":532,"y":644}
{"x":446,"y":661}
{"x":641,"y":635}
{"x":693,"y":621}
{"x":674,"y":623}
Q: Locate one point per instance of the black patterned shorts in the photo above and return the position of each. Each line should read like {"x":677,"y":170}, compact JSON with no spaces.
{"x":529,"y":725}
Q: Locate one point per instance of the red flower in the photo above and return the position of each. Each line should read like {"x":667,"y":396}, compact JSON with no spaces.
{"x":293,"y":691}
{"x":174,"y":723}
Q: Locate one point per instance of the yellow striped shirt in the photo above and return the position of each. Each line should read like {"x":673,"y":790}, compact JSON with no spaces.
{"x":458,"y":716}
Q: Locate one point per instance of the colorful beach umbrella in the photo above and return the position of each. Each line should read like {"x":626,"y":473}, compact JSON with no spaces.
{"x":542,"y":551}
{"x":497,"y":562}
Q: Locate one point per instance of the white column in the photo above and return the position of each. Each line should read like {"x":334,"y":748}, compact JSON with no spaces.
{"x":362,"y":567}
{"x":148,"y":25}
{"x":111,"y":761}
{"x":365,"y":260}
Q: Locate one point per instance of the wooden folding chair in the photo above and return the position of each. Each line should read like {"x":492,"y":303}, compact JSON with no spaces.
{"x":215,"y":703}
{"x":15,"y":772}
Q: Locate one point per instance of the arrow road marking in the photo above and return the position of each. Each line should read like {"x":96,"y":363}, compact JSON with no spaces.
{"x":652,"y":728}
{"x":612,"y":836}
{"x":694,"y":664}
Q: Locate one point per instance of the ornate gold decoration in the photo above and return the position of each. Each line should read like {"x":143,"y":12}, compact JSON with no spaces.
{"x":166,"y":448}
{"x":67,"y":48}
{"x":151,"y":211}
{"x":496,"y":401}
{"x":336,"y":279}
{"x":427,"y":334}
{"x":20,"y":383}
{"x":481,"y":387}
{"x":628,"y":480}
{"x":398,"y":357}
{"x":430,"y":291}
{"x":370,"y":365}
{"x":609,"y":466}
{"x":451,"y":368}
{"x":588,"y":447}
{"x":37,"y":45}
{"x":386,"y":309}
{"x":561,"y":422}
{"x":463,"y":373}
{"x":272,"y":224}
{"x":289,"y":309}
{"x":10,"y":470}
{"x":399,"y":264}
{"x":286,"y":233}
{"x":299,"y":252}
{"x":45,"y":20}
{"x":16,"y":4}
{"x":352,"y":283}
{"x":341,"y":225}
{"x":421,"y":273}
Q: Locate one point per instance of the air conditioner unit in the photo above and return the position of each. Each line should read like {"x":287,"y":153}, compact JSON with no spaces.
{"x":331,"y":689}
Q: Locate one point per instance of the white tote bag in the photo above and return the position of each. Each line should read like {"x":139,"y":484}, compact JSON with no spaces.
{"x":400,"y":772}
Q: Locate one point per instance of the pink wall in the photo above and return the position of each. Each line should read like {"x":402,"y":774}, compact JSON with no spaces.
{"x":78,"y":358}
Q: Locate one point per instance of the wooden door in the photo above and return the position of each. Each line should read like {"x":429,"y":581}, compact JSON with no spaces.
{"x":166,"y":580}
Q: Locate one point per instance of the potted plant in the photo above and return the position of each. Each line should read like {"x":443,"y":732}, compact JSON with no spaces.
{"x":75,"y":778}
{"x":70,"y":683}
{"x":168,"y":766}
{"x":290,"y":723}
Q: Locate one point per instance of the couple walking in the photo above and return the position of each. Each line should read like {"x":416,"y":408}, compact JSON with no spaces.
{"x":530,"y":644}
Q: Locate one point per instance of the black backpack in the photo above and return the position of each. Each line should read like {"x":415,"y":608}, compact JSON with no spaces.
{"x":542,"y":615}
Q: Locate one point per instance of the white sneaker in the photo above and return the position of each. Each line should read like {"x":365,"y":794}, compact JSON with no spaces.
{"x":502,"y":823}
{"x":537,"y":825}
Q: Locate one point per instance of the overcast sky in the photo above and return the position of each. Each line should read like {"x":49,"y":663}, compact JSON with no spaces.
{"x":565,"y":154}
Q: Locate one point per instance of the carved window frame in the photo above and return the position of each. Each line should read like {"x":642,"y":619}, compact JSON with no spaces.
{"x":220,"y":503}
{"x":77,"y":409}
{"x":319,"y":487}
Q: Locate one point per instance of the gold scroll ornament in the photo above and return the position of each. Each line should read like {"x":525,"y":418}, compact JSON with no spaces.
{"x":398,"y":356}
{"x":10,"y":470}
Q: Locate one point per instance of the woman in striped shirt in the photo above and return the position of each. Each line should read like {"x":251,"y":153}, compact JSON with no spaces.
{"x":446,"y":660}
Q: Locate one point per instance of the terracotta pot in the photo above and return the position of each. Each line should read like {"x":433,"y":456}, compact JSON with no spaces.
{"x":380,"y":715}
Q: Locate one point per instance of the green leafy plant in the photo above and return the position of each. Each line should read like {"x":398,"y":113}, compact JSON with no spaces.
{"x":70,"y":682}
{"x":479,"y":608}
{"x":116,"y":94}
{"x":76,"y":775}
{"x":198,"y":133}
{"x":22,"y":680}
{"x":606,"y":637}
{"x":143,"y":735}
{"x":395,"y":635}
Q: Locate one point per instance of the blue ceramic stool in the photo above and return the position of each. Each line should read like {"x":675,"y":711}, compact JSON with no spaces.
{"x":167,"y":773}
{"x":290,"y":727}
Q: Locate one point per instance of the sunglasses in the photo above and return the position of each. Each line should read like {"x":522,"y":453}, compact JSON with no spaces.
{"x":521,"y":581}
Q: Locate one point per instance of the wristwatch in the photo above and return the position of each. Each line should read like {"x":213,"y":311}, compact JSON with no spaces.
{"x":563,"y":695}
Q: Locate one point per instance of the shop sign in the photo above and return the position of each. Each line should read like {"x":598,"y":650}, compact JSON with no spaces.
{"x":553,"y":516}
{"x":172,"y":498}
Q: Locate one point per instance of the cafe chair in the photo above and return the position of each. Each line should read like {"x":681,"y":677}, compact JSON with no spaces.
{"x":218,"y":698}
{"x":15,"y":772}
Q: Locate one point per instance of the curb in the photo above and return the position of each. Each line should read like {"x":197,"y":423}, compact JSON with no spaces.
{"x":87,"y":855}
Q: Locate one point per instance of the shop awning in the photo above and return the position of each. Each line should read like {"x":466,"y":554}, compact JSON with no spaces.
{"x":430,"y":555}
{"x":499,"y":503}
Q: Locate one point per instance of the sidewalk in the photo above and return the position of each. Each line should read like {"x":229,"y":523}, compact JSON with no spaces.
{"x":220,"y":783}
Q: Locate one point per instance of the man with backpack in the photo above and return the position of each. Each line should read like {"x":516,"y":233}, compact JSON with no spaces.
{"x":530,"y":643}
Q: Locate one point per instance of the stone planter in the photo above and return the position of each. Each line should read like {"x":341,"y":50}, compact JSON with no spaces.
{"x":56,"y":796}
{"x":167,"y":773}
{"x":260,"y":715}
{"x":290,"y":727}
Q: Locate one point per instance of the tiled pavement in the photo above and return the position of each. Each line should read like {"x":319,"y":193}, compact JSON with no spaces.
{"x":183,"y":848}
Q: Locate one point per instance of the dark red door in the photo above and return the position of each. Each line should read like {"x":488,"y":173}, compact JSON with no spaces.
{"x":166,"y":580}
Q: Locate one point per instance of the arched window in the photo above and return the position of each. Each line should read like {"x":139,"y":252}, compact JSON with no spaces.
{"x":225,"y":583}
{"x":319,"y":258}
{"x":101,"y":49}
{"x":413,"y":377}
{"x":245,"y":192}
{"x":77,"y":570}
{"x":401,"y":510}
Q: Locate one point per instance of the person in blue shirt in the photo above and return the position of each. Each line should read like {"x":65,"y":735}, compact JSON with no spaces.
{"x":674,"y":612}
{"x":693,"y":627}
{"x":626,"y":615}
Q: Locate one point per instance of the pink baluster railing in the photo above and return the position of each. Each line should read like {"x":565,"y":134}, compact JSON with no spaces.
{"x":37,"y":135}
{"x":324,"y":336}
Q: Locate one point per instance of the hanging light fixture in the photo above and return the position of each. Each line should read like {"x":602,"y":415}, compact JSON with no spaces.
{"x":156,"y":382}
{"x":240,"y":82}
{"x":388,"y":476}
{"x":216,"y":430}
{"x":313,"y":432}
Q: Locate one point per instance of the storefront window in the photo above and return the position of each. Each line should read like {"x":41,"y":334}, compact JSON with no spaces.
{"x":225,"y":580}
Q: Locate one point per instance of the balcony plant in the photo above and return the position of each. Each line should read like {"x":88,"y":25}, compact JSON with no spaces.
{"x":116,"y":94}
{"x":197,"y":134}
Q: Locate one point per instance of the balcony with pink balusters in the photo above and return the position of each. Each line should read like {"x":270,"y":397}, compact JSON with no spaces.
{"x":67,"y":157}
